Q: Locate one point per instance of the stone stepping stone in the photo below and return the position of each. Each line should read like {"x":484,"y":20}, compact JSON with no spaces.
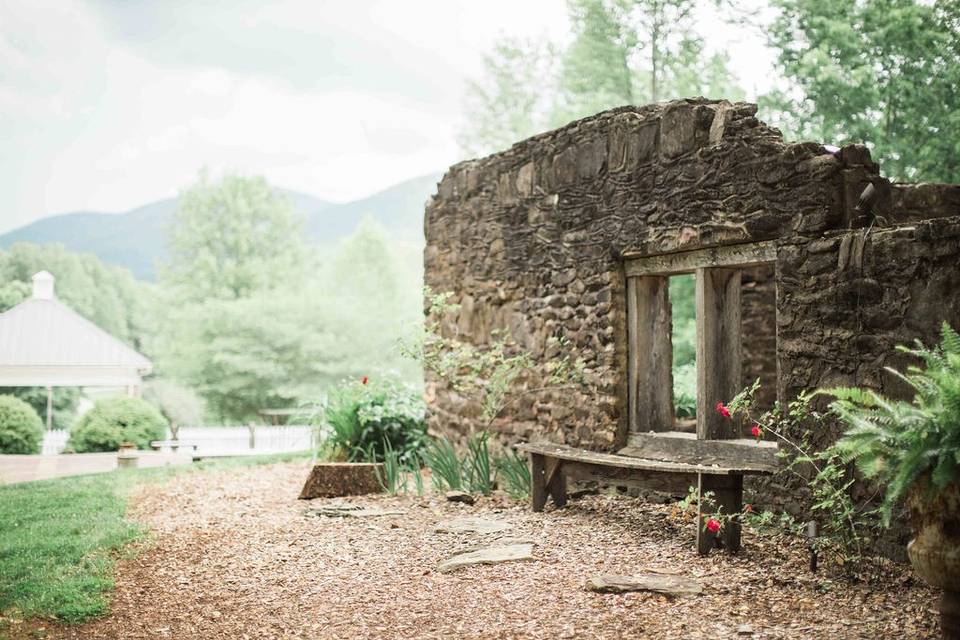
{"x":472,"y":525}
{"x":489,"y":555}
{"x":668,"y":585}
{"x":352,"y":511}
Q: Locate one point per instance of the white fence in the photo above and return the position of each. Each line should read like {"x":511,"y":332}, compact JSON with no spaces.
{"x":54,"y":441}
{"x":219,"y":441}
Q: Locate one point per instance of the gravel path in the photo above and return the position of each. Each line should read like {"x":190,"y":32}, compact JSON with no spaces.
{"x":234,"y":555}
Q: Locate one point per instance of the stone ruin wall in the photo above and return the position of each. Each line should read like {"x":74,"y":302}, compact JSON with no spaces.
{"x":532,"y":240}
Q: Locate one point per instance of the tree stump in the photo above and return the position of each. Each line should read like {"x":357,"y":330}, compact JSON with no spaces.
{"x":334,"y":479}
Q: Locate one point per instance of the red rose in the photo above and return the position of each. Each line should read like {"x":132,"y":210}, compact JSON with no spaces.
{"x":713,"y":525}
{"x":722,"y":410}
{"x":756,"y":431}
{"x":364,"y":380}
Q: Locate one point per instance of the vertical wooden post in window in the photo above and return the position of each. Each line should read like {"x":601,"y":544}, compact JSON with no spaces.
{"x":718,"y":349}
{"x":650,"y":351}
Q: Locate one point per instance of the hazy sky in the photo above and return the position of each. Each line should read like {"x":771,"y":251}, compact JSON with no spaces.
{"x":107,"y":105}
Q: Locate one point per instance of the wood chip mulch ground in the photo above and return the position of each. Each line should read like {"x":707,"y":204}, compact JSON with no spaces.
{"x":235,"y":555}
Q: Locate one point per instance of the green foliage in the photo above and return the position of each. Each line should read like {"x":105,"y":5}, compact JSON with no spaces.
{"x":370,"y":421}
{"x":479,"y":472}
{"x":882,"y":72}
{"x":21,"y":430}
{"x":446,"y":468}
{"x":496,"y":375}
{"x":107,"y":296}
{"x":393,"y":478}
{"x":514,"y":470}
{"x":276,"y":347}
{"x":114,"y":421}
{"x":619,"y":52}
{"x":507,"y":103}
{"x":178,"y":404}
{"x":685,"y":391}
{"x":65,"y":400}
{"x":230,"y":239}
{"x":899,"y":443}
{"x":843,"y":522}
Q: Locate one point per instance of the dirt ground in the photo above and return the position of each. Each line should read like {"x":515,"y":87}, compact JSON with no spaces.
{"x":234,"y":555}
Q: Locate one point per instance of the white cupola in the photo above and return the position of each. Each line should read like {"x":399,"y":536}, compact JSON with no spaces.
{"x":43,"y":285}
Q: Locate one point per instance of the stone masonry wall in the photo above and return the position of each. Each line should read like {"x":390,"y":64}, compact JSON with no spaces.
{"x":532,"y":240}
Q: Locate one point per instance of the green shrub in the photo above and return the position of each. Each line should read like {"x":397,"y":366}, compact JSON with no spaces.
{"x":21,"y":430}
{"x":365,"y":419}
{"x":114,"y":421}
{"x":899,"y":443}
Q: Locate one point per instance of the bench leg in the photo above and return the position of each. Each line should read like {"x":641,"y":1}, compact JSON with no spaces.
{"x":538,"y":482}
{"x":728,"y":494}
{"x":556,"y":482}
{"x":546,"y":479}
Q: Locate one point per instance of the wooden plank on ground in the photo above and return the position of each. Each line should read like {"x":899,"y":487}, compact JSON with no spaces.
{"x":737,"y":255}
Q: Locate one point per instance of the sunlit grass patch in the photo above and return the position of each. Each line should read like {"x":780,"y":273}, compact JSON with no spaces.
{"x":59,"y":539}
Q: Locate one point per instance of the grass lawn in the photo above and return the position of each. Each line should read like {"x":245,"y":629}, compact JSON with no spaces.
{"x":59,"y":538}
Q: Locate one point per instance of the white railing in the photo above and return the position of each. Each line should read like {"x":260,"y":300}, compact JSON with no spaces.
{"x":222,"y":441}
{"x":219,"y":441}
{"x":54,"y":441}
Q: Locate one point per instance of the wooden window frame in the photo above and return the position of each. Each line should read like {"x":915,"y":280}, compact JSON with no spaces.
{"x":719,"y":349}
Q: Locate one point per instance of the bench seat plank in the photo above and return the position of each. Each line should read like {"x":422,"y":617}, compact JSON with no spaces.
{"x":572,"y":454}
{"x":676,"y":446}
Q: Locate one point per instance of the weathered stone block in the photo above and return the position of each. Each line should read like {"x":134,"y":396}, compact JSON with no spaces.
{"x":334,"y":479}
{"x":591,"y":157}
{"x":678,"y":130}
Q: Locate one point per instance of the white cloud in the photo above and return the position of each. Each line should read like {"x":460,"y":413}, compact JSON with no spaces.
{"x":107,"y":106}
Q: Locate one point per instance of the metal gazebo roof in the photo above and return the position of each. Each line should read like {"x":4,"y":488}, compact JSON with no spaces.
{"x":44,"y":343}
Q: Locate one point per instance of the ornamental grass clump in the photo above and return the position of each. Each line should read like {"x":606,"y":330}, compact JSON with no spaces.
{"x":900,"y":443}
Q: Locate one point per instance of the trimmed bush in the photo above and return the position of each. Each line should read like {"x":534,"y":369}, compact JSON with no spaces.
{"x":21,"y":430}
{"x":114,"y":421}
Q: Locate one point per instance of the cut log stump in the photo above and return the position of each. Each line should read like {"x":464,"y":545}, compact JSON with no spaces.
{"x":335,"y":479}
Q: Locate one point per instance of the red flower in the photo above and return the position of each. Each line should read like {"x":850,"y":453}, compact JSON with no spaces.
{"x":756,"y":431}
{"x":713,"y":525}
{"x":364,"y":380}
{"x":748,"y":508}
{"x":722,"y":410}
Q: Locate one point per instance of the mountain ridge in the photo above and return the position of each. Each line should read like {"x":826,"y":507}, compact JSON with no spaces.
{"x":136,"y":239}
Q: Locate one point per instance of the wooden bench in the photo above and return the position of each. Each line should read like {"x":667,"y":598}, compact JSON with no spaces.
{"x":173,"y":445}
{"x":666,"y":461}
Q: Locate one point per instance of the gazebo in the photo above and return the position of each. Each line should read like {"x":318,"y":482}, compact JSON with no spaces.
{"x":44,"y":343}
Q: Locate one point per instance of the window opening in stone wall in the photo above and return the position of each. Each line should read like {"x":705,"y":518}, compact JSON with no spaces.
{"x":684,"y":341}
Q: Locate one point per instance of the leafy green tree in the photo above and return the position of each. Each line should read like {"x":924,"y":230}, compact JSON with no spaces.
{"x":230,"y":239}
{"x":510,"y":101}
{"x":621,"y":52}
{"x":882,"y":72}
{"x":281,"y":347}
{"x":65,"y":400}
